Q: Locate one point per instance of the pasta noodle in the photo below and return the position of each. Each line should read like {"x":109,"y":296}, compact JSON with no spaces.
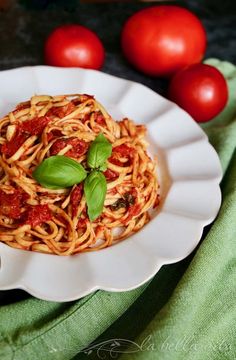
{"x":36,"y":218}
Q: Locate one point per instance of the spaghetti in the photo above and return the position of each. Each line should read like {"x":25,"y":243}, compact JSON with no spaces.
{"x":55,"y":221}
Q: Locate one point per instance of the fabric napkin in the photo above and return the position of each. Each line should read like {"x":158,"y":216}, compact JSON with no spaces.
{"x":187,"y":311}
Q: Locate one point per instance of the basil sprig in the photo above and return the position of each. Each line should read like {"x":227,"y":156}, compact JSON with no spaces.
{"x":57,"y":172}
{"x":95,"y":188}
{"x":99,"y":151}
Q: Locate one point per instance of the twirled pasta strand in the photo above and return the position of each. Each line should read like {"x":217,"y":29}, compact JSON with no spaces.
{"x":69,"y":231}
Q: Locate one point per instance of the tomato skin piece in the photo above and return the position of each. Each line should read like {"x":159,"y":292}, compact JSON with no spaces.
{"x":201,"y":90}
{"x":74,"y":46}
{"x":160,"y":40}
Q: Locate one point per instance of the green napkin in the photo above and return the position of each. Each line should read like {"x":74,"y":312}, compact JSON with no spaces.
{"x":174,"y":316}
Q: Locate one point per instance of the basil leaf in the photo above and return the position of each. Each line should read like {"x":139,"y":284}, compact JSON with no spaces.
{"x":103,"y":167}
{"x":95,"y":188}
{"x":57,"y":172}
{"x":99,"y":151}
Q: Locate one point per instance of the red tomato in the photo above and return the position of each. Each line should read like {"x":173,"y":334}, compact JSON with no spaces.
{"x":72,"y":46}
{"x":201,"y":90}
{"x":160,"y":40}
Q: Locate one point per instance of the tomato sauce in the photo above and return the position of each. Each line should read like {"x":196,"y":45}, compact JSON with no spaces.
{"x":113,"y":191}
{"x":85,"y":118}
{"x":53,"y":134}
{"x":11,"y":204}
{"x":23,"y":132}
{"x":81,"y":224}
{"x":61,"y":111}
{"x":75,"y":198}
{"x":133,"y":210}
{"x":117,"y":152}
{"x":37,"y":215}
{"x":157,"y":201}
{"x":22,"y":106}
{"x":111,"y":175}
{"x":34,"y":126}
{"x":82,"y":98}
{"x":79,"y":147}
{"x":99,"y":118}
{"x":123,"y":150}
{"x":115,"y":161}
{"x":11,"y":147}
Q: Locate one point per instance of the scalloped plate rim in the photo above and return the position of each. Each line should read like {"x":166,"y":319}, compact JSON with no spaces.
{"x":160,"y":261}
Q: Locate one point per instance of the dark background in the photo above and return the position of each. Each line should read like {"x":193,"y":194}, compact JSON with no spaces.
{"x":25,"y":24}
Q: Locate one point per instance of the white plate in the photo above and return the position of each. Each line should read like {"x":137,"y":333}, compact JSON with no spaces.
{"x":189,"y":170}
